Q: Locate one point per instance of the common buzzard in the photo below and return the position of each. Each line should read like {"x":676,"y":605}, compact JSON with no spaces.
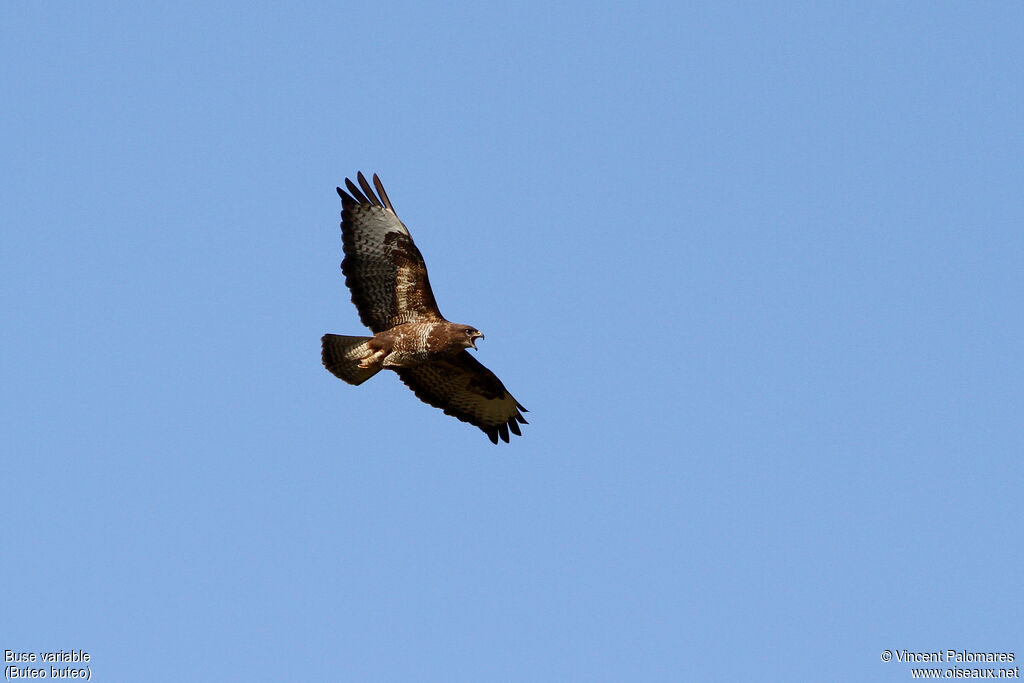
{"x":389,"y":284}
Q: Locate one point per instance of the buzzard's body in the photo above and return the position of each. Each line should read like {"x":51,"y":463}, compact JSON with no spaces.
{"x":389,"y":284}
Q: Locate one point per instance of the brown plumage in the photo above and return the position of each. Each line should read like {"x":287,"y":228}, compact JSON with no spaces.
{"x":388,"y":279}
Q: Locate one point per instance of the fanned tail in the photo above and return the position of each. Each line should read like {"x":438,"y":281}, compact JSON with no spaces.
{"x":341,"y":355}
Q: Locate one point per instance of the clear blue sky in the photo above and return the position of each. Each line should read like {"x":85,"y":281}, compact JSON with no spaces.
{"x":755,"y":269}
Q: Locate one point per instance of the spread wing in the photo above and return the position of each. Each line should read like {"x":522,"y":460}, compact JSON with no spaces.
{"x":382,"y":266}
{"x":463,"y":388}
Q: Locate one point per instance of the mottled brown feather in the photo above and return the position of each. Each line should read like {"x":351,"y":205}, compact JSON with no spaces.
{"x":463,"y":388}
{"x":382,"y":266}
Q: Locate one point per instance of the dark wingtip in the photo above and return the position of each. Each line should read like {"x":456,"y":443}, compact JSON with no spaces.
{"x":514,"y":427}
{"x":346,"y":198}
{"x":492,"y":434}
{"x":503,"y":431}
{"x":367,"y":190}
{"x":356,"y":192}
{"x":383,"y":195}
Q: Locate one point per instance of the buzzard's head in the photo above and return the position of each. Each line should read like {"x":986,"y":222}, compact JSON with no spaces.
{"x":470,"y":335}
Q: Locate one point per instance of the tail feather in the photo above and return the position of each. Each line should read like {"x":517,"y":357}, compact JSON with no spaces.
{"x":341,"y":355}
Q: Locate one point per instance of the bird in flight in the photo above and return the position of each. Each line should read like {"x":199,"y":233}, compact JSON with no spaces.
{"x":388,"y":279}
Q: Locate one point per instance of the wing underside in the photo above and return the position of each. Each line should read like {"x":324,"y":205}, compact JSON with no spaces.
{"x":463,"y":388}
{"x":383,"y":268}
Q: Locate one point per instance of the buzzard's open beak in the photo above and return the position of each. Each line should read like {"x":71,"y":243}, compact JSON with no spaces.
{"x":473,"y":339}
